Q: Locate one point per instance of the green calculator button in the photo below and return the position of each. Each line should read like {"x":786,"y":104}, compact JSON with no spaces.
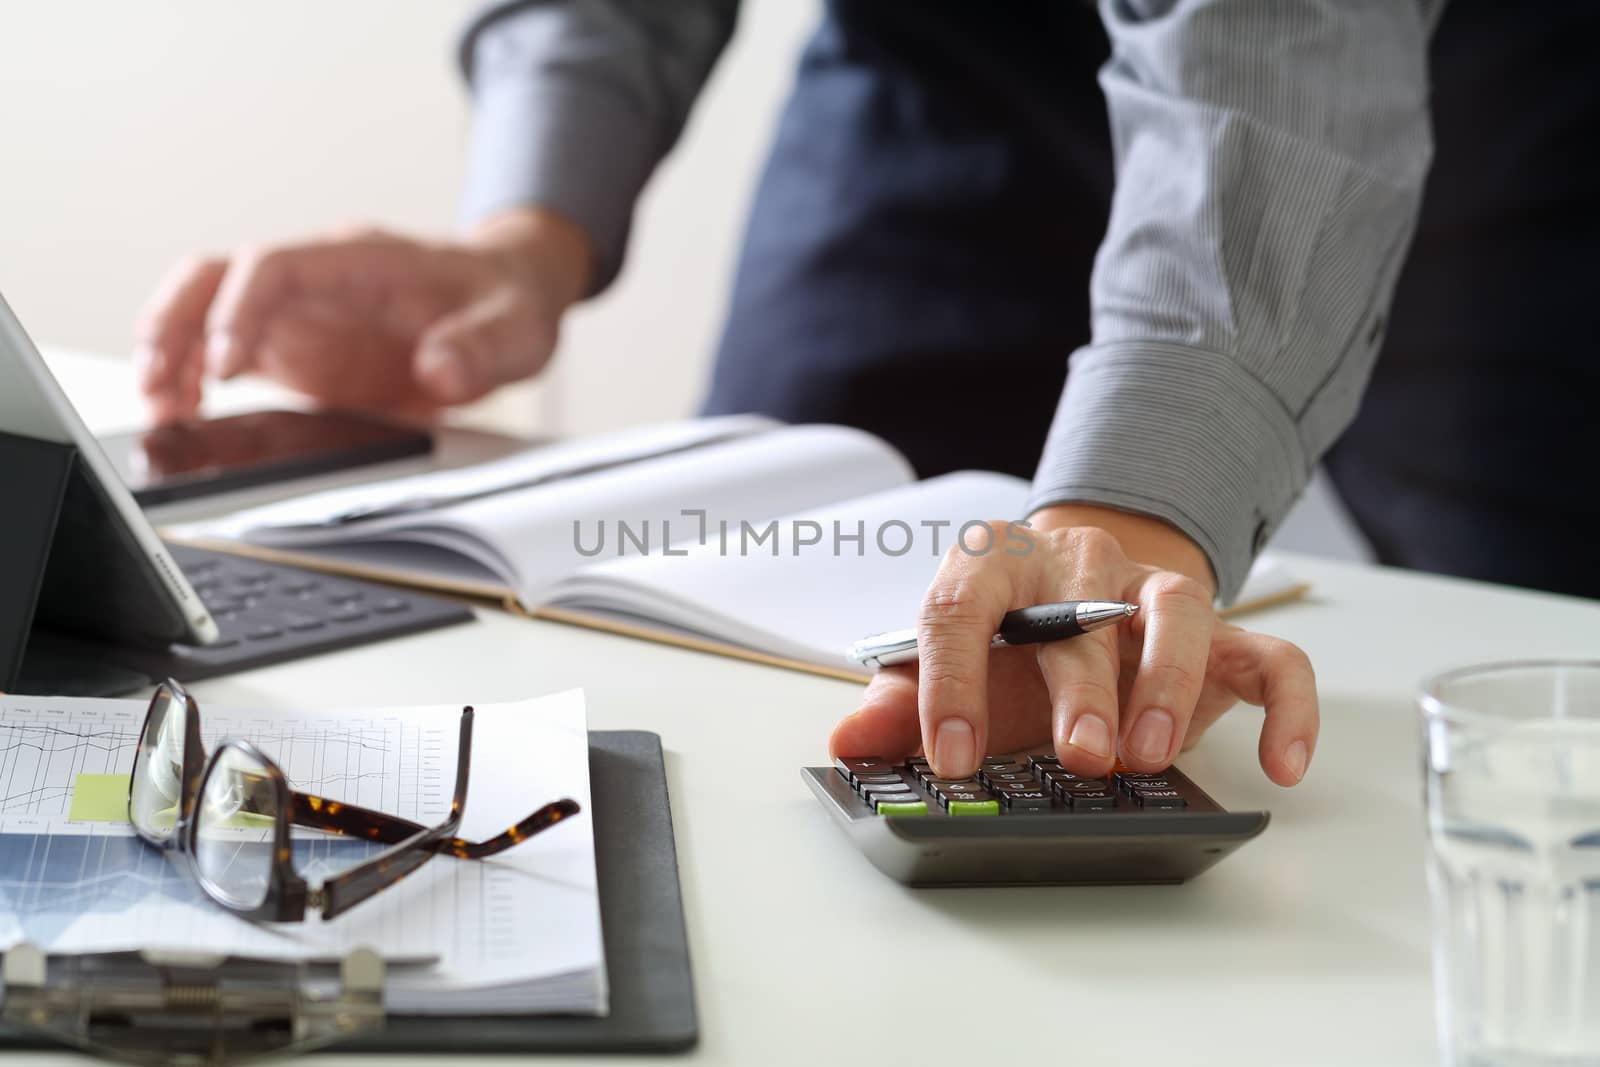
{"x":902,"y":807}
{"x":974,"y":807}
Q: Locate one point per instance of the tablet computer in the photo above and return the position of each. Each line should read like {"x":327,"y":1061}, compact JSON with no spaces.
{"x":109,"y":575}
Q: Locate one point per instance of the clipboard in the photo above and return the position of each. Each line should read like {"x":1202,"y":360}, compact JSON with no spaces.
{"x":641,"y":912}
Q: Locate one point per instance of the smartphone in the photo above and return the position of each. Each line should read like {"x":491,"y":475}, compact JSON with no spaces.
{"x":203,"y":457}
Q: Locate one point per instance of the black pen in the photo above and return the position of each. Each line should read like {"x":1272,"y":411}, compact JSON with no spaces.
{"x":1025,"y":626}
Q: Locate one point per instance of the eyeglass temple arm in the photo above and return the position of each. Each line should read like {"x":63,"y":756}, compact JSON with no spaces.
{"x":345,"y":891}
{"x":351,"y":820}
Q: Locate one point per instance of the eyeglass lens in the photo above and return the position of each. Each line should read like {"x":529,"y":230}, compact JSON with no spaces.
{"x":157,"y":791}
{"x":234,"y":825}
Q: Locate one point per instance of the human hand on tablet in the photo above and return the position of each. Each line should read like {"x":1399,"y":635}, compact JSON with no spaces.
{"x":1140,"y":691}
{"x":367,"y":319}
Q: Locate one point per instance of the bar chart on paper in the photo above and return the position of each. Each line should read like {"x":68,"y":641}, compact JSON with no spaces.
{"x":75,"y":878}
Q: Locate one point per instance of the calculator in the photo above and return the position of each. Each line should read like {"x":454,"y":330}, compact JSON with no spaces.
{"x":1025,"y":820}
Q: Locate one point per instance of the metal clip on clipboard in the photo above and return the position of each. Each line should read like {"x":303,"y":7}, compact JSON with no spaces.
{"x":148,"y":1008}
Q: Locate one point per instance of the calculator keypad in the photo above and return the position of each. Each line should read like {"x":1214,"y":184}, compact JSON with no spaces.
{"x":1024,"y":786}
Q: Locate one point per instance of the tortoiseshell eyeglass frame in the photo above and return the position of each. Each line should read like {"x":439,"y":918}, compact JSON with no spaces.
{"x":289,"y":896}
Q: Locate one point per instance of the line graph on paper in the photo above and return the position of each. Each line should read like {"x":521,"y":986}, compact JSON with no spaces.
{"x":74,"y":877}
{"x":392,"y":764}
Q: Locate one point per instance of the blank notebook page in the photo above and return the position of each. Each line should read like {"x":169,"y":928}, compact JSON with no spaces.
{"x":812,"y":603}
{"x":809,"y":603}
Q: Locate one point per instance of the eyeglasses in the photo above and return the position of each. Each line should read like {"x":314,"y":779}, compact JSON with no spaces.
{"x":231,"y":814}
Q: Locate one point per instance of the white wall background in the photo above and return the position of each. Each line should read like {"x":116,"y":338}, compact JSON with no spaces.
{"x":133,"y":133}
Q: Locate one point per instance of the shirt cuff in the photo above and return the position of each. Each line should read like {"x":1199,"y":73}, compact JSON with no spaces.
{"x":1180,"y":434}
{"x":572,"y":145}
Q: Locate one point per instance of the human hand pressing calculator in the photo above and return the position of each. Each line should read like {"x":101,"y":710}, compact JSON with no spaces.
{"x":1026,"y":821}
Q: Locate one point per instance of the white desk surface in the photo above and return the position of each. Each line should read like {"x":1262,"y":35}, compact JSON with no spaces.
{"x":1308,"y":946}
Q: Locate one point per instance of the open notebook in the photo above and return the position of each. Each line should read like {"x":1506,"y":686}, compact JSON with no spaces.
{"x":736,"y":534}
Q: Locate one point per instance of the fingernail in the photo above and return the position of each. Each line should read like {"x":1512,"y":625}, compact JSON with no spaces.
{"x":1295,"y":756}
{"x":953,"y":748}
{"x":442,"y":370}
{"x":1151,"y":739}
{"x":433,"y":358}
{"x":1091,"y":734}
{"x":219,"y":354}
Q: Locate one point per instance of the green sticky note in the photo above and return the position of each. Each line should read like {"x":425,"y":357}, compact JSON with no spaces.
{"x":909,"y":807}
{"x":974,"y":807}
{"x":99,"y":798}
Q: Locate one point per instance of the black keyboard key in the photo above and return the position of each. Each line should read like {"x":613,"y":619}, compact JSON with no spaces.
{"x":1039,"y":763}
{"x":1127,"y":779}
{"x":968,"y":796}
{"x":1148,"y":783}
{"x":299,"y":586}
{"x":263,"y":633}
{"x":1079,"y":785}
{"x":969,"y":802}
{"x":346,"y":596}
{"x":391,"y":606}
{"x":1166,"y":799}
{"x":879,"y":776}
{"x":996,"y":777}
{"x":937,"y":784}
{"x":1068,"y":779}
{"x":852,"y":767}
{"x":1094,"y":800}
{"x":348,"y":615}
{"x":301,"y":623}
{"x":1002,"y":765}
{"x":1036,"y":801}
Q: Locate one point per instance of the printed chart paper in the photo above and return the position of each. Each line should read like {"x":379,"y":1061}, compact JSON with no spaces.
{"x":519,"y":932}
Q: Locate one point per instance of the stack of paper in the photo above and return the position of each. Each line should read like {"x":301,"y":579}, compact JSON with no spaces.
{"x":515,"y":934}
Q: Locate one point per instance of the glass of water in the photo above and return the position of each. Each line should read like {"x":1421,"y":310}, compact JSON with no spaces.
{"x":1512,"y":759}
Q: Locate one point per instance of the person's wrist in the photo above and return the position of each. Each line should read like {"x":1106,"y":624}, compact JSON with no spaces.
{"x":541,"y":247}
{"x":1144,"y":539}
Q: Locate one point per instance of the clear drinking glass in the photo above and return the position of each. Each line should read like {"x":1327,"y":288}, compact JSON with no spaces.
{"x":1512,"y":763}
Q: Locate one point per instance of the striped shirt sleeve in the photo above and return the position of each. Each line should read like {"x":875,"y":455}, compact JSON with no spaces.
{"x":576,"y":101}
{"x":1270,"y":159}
